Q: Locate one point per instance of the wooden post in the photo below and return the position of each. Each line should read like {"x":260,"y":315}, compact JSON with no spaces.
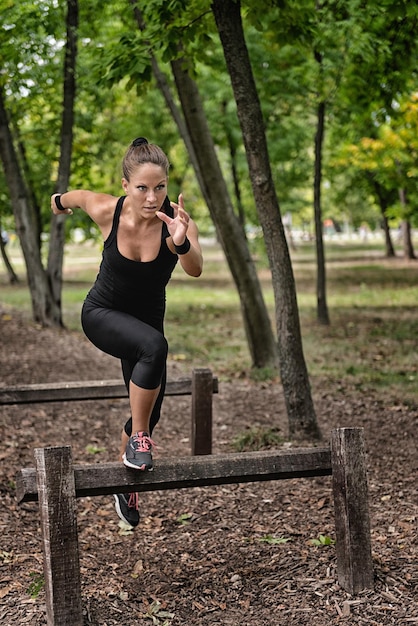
{"x":56,"y":489}
{"x":352,"y":522}
{"x":202,"y":390}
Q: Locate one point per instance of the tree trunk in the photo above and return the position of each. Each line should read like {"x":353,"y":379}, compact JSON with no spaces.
{"x":44,"y":308}
{"x":229,"y":231}
{"x":408,"y":248}
{"x":384,"y":203}
{"x":27,"y":176}
{"x":57,"y":235}
{"x":234,"y":172}
{"x":321,"y":293}
{"x":389,"y":248}
{"x":294,"y":376}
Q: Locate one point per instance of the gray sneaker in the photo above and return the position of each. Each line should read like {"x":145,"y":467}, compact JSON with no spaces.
{"x":126,"y":506}
{"x":138,"y":451}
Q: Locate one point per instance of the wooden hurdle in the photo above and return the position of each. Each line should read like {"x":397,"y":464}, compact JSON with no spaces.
{"x":56,"y":483}
{"x":201,"y":387}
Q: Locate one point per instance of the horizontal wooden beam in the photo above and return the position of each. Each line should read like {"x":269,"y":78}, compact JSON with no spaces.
{"x":201,"y":471}
{"x":84,"y":390}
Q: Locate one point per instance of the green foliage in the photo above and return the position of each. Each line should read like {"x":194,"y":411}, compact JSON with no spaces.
{"x":322,"y":541}
{"x":391,"y":156}
{"x":184,"y":519}
{"x":126,"y":56}
{"x":37,"y":584}
{"x":380,"y":73}
{"x":31,"y":71}
{"x":91,"y":449}
{"x":368,"y":64}
{"x":273,"y":541}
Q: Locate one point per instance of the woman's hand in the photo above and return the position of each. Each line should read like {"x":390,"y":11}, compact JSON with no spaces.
{"x":55,"y":209}
{"x":177,"y":226}
{"x":182,"y":228}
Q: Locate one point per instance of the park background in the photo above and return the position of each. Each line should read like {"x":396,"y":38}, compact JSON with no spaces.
{"x":248,"y":555}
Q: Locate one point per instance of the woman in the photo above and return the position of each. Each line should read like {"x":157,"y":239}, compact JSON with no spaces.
{"x":123,"y":314}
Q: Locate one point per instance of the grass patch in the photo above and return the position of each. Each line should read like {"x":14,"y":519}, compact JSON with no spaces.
{"x":372,"y":339}
{"x":257,"y":438}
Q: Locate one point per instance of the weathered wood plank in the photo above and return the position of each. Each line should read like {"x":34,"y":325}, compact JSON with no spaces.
{"x":106,"y":478}
{"x":201,"y":434}
{"x":352,"y":522}
{"x":84,"y":390}
{"x":55,"y":478}
{"x":63,"y":391}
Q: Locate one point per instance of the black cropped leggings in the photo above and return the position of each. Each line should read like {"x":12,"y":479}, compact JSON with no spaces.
{"x":141,"y":349}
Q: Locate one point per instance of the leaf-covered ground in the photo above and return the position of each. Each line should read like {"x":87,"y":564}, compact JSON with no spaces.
{"x":229,"y":555}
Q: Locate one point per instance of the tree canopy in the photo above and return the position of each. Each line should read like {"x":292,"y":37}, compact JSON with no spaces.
{"x":369,"y":64}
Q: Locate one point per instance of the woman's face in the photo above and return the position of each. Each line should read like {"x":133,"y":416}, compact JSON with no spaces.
{"x":146,"y":188}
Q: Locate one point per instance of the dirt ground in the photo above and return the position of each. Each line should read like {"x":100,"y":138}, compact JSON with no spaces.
{"x":229,"y":555}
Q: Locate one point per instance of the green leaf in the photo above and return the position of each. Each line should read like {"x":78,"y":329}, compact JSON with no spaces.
{"x":271,"y":540}
{"x":37,"y":584}
{"x":91,"y":449}
{"x":184,"y":518}
{"x":323,"y":540}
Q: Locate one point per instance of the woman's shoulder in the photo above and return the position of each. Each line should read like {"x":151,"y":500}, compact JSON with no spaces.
{"x":101,"y":206}
{"x":102,"y":200}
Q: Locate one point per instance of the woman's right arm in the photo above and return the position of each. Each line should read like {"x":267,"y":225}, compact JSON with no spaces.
{"x":99,"y":206}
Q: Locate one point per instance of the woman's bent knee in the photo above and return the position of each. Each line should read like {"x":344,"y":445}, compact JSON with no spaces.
{"x":151,"y":362}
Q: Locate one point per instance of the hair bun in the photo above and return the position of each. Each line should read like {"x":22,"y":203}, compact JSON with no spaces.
{"x":140,"y":141}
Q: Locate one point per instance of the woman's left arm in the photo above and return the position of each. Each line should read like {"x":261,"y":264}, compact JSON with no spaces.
{"x":192,"y":260}
{"x":184,"y":238}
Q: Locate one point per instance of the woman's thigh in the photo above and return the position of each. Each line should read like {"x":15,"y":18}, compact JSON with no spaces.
{"x":121,"y":335}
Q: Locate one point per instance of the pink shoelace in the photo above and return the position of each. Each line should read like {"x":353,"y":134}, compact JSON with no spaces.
{"x":133,"y":502}
{"x":143,"y":442}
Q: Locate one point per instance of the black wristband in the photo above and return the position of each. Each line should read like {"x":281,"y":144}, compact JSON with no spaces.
{"x":184,"y":248}
{"x":58,"y":203}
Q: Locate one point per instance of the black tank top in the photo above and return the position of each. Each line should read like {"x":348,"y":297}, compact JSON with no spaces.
{"x":134,"y":287}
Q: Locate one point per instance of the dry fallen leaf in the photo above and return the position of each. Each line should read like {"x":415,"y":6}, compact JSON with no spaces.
{"x":138,"y":568}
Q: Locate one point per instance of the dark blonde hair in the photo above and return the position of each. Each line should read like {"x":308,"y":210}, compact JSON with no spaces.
{"x":141,"y":152}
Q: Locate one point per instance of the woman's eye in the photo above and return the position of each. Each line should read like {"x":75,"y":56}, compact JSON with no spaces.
{"x":143,"y":188}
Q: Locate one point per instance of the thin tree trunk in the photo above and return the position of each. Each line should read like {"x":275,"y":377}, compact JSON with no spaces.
{"x":382,"y":198}
{"x":57,"y":235}
{"x":229,"y":231}
{"x":389,"y":247}
{"x":321,"y":293}
{"x":408,"y":248}
{"x":44,"y":309}
{"x":234,"y":173}
{"x":294,"y":376}
{"x":27,"y":175}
